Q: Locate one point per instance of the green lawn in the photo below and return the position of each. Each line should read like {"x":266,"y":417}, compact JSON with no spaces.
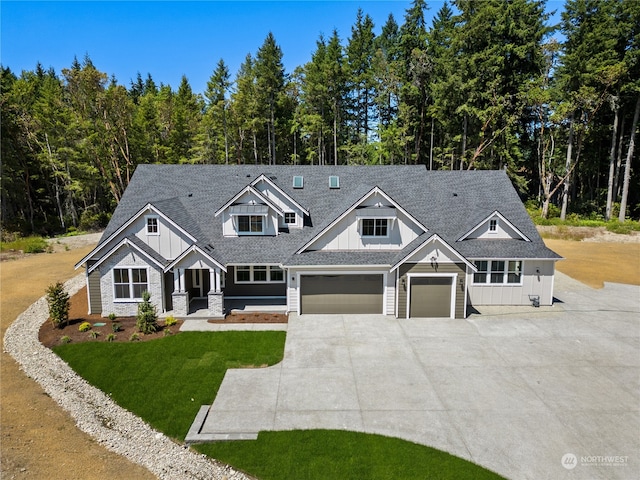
{"x":165,"y":381}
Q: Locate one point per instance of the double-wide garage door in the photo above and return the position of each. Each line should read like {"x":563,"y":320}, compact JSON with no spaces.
{"x":431,"y":297}
{"x":341,"y":294}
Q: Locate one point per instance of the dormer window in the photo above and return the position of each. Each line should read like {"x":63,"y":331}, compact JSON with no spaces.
{"x":289,"y":218}
{"x":493,"y":225}
{"x":375,"y":227}
{"x":152,"y":225}
{"x":250,"y":224}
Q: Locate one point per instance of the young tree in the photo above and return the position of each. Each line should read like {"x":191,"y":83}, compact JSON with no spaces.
{"x":59,"y":304}
{"x":147,"y":318}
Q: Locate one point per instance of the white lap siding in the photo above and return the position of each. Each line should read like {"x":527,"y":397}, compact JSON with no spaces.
{"x":124,"y":258}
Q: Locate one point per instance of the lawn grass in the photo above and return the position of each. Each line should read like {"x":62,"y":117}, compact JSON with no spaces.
{"x":322,"y":454}
{"x":165,"y":381}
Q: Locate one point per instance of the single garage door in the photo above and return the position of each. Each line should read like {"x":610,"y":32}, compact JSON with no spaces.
{"x":341,"y":294}
{"x":430,"y":297}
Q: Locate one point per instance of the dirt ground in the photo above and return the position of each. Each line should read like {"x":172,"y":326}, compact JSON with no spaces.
{"x":40,"y":441}
{"x":599,"y":257}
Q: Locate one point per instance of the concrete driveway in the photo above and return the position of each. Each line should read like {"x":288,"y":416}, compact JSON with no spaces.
{"x":514,"y":389}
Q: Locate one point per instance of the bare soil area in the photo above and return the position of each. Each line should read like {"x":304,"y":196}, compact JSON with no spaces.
{"x":40,"y":441}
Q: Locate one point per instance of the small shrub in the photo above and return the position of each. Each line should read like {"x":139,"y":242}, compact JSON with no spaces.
{"x":94,"y":334}
{"x":170,"y":321}
{"x":58,"y":301}
{"x":115,"y":327}
{"x":65,"y":339}
{"x":111,"y":337}
{"x":134,"y":337}
{"x":84,"y":327}
{"x":167,"y":332}
{"x":112,"y":316}
{"x":147,"y":318}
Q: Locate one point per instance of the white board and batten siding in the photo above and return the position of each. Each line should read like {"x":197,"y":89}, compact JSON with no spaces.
{"x":168,"y":242}
{"x":346,"y":235}
{"x":537,"y":280}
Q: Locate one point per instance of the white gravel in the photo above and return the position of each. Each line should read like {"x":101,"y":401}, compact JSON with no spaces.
{"x":95,"y":413}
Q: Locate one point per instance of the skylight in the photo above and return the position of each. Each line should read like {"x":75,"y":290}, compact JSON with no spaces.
{"x":334,"y":181}
{"x":298,"y":181}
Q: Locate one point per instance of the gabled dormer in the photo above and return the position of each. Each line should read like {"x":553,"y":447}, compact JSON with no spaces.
{"x":495,"y":226}
{"x":374,"y":222}
{"x":151,"y":226}
{"x":293,"y":212}
{"x":250,"y":213}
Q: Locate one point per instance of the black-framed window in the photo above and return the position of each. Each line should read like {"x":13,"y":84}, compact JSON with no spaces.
{"x":375,"y":227}
{"x":250,"y":224}
{"x":498,"y":272}
{"x":152,"y":225}
{"x":259,"y":274}
{"x":129,"y":283}
{"x":289,"y":217}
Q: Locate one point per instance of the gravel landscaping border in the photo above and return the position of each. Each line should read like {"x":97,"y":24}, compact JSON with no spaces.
{"x":95,"y":413}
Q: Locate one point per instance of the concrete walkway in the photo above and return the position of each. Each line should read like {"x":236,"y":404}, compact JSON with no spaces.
{"x":513,"y":389}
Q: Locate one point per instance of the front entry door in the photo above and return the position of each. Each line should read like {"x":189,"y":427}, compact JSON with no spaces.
{"x":199,"y":283}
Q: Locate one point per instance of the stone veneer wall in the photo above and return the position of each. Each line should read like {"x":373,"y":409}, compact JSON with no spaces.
{"x":127,"y":258}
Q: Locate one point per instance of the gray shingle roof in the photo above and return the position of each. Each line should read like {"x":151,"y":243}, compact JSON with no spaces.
{"x":191,"y":194}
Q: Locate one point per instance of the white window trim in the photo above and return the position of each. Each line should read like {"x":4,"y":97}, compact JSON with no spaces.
{"x":251,"y":275}
{"x":505,"y":272}
{"x":113,"y":283}
{"x":375,"y":220}
{"x":146,"y":224}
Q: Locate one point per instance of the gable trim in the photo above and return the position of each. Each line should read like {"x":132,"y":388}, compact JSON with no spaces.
{"x":429,"y":240}
{"x":495,"y":213}
{"x":250,"y":189}
{"x":130,"y":244}
{"x":375,"y":190}
{"x":194,"y":248}
{"x":266,"y":179}
{"x":134,"y":217}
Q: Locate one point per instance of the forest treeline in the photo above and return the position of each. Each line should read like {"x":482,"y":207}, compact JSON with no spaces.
{"x":484,"y":86}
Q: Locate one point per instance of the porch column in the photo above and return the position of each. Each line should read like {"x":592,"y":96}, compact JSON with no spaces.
{"x":180,"y":297}
{"x":215,"y":298}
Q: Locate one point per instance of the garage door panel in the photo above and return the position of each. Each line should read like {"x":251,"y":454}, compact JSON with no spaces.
{"x":341,"y":294}
{"x":431,"y":297}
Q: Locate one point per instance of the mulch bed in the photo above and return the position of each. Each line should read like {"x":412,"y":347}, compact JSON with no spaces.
{"x":50,"y":336}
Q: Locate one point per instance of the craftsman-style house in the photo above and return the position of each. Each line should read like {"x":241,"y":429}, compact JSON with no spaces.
{"x":394,"y":240}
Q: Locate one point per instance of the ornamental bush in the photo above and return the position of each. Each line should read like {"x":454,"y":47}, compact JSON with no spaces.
{"x":84,"y":327}
{"x":147,"y":318}
{"x":58,"y":301}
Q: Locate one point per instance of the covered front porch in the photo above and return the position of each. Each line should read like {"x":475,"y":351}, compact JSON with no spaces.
{"x":199,"y":307}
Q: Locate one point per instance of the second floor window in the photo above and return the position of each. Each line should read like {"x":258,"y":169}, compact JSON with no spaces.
{"x":250,"y":224}
{"x":374,"y":227}
{"x":152,"y":225}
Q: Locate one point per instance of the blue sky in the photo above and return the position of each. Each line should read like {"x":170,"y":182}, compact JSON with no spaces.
{"x":169,"y":39}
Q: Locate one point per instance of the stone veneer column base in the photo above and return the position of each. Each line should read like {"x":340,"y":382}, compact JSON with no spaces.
{"x":215,"y":304}
{"x":180,"y":303}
